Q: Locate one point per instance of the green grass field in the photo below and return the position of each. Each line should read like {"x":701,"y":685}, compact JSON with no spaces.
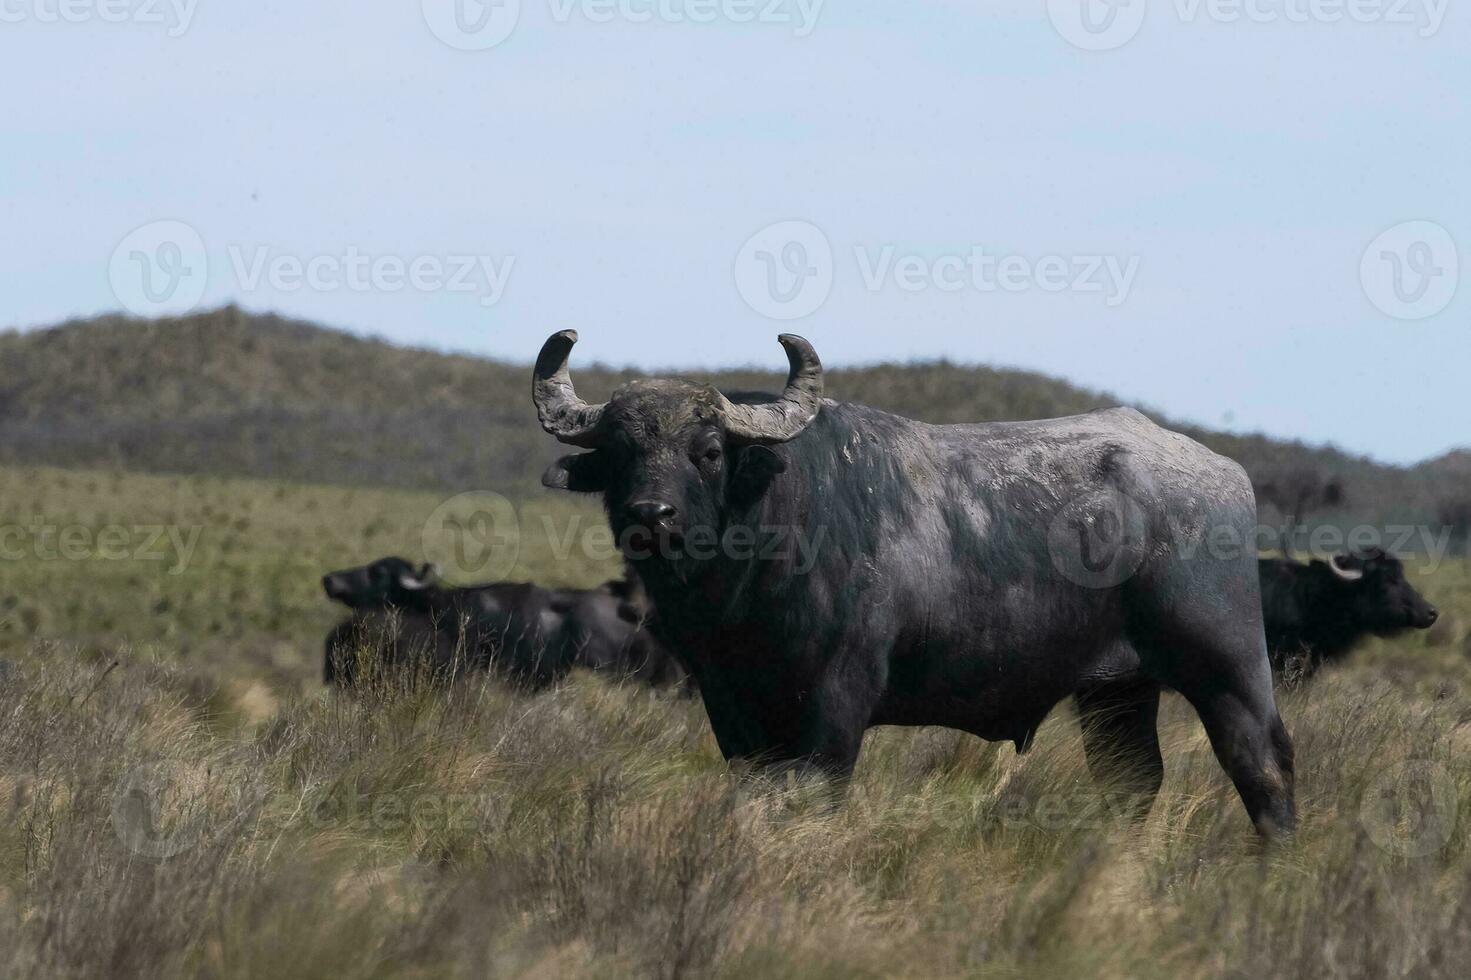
{"x":180,"y":797}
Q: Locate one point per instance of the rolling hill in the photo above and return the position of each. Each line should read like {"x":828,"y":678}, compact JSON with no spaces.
{"x":230,"y":393}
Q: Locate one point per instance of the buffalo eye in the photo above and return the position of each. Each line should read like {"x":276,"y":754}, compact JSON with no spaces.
{"x":710,"y":455}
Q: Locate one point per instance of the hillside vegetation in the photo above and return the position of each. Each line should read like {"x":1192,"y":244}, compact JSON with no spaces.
{"x":232,"y":394}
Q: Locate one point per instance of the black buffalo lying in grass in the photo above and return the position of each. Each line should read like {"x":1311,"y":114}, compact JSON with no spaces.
{"x":403,"y":619}
{"x":1318,"y":612}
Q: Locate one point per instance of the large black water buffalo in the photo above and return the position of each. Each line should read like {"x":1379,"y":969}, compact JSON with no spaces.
{"x":1318,"y":612}
{"x":528,"y":634}
{"x":823,"y":567}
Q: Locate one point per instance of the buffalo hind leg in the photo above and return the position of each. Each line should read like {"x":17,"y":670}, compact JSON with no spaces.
{"x":1121,"y":742}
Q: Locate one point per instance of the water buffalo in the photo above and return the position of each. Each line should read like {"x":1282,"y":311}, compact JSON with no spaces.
{"x":531,"y":635}
{"x":1320,"y":611}
{"x":823,"y":567}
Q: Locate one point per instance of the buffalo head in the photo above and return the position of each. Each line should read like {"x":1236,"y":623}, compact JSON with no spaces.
{"x":386,"y":582}
{"x":671,"y":457}
{"x":1373,"y":588}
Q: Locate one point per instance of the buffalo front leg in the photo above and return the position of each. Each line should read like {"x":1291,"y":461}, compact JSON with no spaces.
{"x":805,"y":739}
{"x":1121,"y":742}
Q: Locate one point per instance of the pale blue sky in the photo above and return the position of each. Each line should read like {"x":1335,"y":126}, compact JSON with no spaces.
{"x":1243,"y":168}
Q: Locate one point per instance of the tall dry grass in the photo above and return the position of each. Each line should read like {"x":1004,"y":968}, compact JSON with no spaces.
{"x":206,"y":809}
{"x":594,"y":831}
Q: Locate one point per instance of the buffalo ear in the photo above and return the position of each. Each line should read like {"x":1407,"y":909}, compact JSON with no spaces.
{"x":579,"y":473}
{"x":756,"y":467}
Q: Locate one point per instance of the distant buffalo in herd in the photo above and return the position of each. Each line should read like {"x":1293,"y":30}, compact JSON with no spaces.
{"x":820,"y":568}
{"x":1318,"y":612}
{"x":531,"y":636}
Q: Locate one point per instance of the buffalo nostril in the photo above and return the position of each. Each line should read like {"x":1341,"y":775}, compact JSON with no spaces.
{"x":1432,"y":615}
{"x":650,"y":513}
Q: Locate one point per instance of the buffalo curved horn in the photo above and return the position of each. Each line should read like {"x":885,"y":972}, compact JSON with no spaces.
{"x":558,"y":408}
{"x":1346,"y":574}
{"x":783,"y":419}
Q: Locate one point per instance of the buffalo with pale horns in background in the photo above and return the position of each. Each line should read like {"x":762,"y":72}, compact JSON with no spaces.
{"x":1316,"y":613}
{"x":823,"y":567}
